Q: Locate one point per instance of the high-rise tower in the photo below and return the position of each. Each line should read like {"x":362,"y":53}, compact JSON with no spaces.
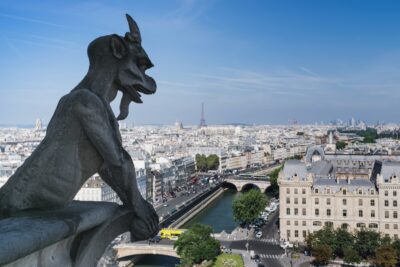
{"x":202,"y":119}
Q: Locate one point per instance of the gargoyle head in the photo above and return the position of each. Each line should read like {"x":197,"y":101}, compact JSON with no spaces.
{"x":126,"y":58}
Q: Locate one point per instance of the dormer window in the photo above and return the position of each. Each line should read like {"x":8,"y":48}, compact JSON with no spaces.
{"x":344,"y":192}
{"x":316,"y":190}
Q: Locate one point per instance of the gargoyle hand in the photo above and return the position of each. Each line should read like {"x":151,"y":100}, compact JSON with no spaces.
{"x":145,"y":224}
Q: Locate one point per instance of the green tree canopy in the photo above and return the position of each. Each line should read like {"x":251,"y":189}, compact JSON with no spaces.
{"x":248,"y":206}
{"x":322,"y":254}
{"x":366,"y":242}
{"x":340,"y":145}
{"x":206,"y":163}
{"x":197,"y":245}
{"x":273,"y":190}
{"x":385,"y":256}
{"x":350,"y":255}
{"x":344,"y":239}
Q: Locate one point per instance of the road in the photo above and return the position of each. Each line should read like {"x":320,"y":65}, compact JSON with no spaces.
{"x":182,"y":197}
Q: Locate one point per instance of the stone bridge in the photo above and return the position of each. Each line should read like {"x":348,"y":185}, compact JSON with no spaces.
{"x":245,"y":183}
{"x":139,"y":248}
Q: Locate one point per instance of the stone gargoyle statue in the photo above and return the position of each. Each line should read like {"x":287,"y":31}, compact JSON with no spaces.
{"x":83,"y":137}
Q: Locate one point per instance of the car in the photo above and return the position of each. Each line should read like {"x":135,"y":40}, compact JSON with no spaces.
{"x":260,"y":265}
{"x":165,"y":205}
{"x":259,"y":234}
{"x":286,"y":244}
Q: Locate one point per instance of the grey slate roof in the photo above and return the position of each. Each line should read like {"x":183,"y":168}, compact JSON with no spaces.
{"x":321,"y":168}
{"x":293,"y":167}
{"x":390,"y":168}
{"x":336,"y":186}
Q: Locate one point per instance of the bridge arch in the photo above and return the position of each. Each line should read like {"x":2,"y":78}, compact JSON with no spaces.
{"x":126,"y":251}
{"x":249,"y":186}
{"x":229,"y":185}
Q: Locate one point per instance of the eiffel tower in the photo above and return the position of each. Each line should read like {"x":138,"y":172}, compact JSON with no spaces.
{"x":202,"y":119}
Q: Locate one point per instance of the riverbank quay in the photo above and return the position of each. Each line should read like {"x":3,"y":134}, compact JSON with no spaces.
{"x":195,"y":209}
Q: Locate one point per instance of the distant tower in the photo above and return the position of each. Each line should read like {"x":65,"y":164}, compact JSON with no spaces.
{"x":38,"y":124}
{"x":202,"y":119}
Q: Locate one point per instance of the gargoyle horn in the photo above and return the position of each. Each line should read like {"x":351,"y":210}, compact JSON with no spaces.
{"x":134,"y":34}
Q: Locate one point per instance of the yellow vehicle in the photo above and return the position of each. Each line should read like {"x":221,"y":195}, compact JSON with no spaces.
{"x":170,"y":233}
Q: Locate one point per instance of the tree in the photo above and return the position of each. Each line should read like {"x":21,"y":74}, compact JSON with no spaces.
{"x":212,"y":162}
{"x":340,"y":145}
{"x":273,"y":190}
{"x":206,"y":163}
{"x":350,"y":255}
{"x":197,"y":245}
{"x":343,"y":240}
{"x":396,"y":246}
{"x":366,"y":242}
{"x":322,"y":254}
{"x":248,"y":206}
{"x":385,"y":256}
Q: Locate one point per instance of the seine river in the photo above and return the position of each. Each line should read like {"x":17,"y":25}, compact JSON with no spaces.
{"x":218,"y":215}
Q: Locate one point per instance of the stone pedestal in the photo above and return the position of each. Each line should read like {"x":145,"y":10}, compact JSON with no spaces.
{"x":74,"y":236}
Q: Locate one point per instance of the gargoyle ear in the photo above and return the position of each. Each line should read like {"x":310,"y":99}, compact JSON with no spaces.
{"x":118,"y":47}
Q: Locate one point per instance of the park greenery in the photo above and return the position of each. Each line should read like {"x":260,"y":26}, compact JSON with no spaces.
{"x":363,"y":245}
{"x":248,"y":206}
{"x":273,"y":189}
{"x":341,"y":145}
{"x":229,"y":260}
{"x":206,"y":163}
{"x":196,"y":245}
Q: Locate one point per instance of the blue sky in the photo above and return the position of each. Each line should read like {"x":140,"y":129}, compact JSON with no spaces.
{"x":262,"y":62}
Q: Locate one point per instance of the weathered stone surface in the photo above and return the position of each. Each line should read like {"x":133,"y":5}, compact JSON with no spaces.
{"x":29,"y":232}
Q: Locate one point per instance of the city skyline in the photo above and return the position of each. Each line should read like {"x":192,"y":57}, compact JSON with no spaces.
{"x":260,"y":63}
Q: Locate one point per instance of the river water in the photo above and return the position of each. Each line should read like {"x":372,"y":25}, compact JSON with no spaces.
{"x":218,"y":215}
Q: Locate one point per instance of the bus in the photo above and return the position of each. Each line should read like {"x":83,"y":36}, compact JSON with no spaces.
{"x":170,"y":233}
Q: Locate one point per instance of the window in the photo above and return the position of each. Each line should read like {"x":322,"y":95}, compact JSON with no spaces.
{"x":345,"y":226}
{"x":296,"y":233}
{"x":372,"y":214}
{"x":395,"y":214}
{"x":329,"y":224}
{"x":288,"y":233}
{"x":287,"y":222}
{"x":288,"y":200}
{"x":360,"y":192}
{"x":328,"y":191}
{"x":372,"y":202}
{"x":304,"y":234}
{"x":360,"y":225}
{"x":296,"y":211}
{"x":360,"y":202}
{"x":303,"y":212}
{"x":328,"y":212}
{"x":344,"y":192}
{"x":287,"y":190}
{"x":288,"y":211}
{"x":344,"y":213}
{"x":360,"y":213}
{"x":387,"y":226}
{"x":394,"y":203}
{"x":386,"y":203}
{"x":303,"y":201}
{"x":316,"y":212}
{"x":394,"y":193}
{"x":395,"y":226}
{"x":304,"y":223}
{"x":316,"y":201}
{"x":303,"y":191}
{"x":317,"y":223}
{"x":372,"y":191}
{"x":296,"y":200}
{"x":344,"y":201}
{"x":295,"y":191}
{"x":386,"y":193}
{"x":316,"y":190}
{"x":373,"y":225}
{"x":386,"y":214}
{"x":296,"y":223}
{"x":328,"y":201}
